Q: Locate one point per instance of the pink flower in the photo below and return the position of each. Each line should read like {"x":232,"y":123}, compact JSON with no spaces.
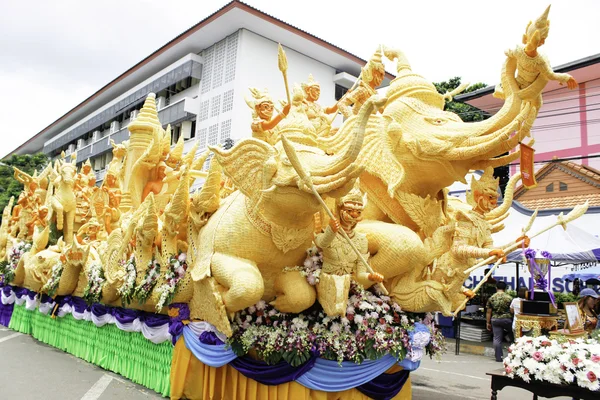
{"x":591,"y":376}
{"x":575,"y":361}
{"x":537,"y":356}
{"x":595,"y":358}
{"x":508,"y":369}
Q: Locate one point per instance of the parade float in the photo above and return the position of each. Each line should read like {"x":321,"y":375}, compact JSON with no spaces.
{"x":309,"y":262}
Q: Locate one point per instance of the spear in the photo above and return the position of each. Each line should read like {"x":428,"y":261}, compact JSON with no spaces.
{"x":562,"y":220}
{"x":305,"y":177}
{"x":283,"y":66}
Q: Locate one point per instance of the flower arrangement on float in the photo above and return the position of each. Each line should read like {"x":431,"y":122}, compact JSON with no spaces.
{"x":96,"y":280}
{"x":144,"y":289}
{"x":175,"y":273}
{"x":51,"y":284}
{"x":8,"y":267}
{"x":126,"y":290}
{"x":373,"y":326}
{"x":562,"y":361}
{"x":311,"y":270}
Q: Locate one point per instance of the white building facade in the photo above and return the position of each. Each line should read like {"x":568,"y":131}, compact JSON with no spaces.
{"x":200,"y":79}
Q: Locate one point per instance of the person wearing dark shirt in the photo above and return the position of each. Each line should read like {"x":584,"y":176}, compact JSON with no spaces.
{"x":499,"y":318}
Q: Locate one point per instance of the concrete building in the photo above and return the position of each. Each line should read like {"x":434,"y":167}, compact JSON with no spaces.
{"x":200,"y":79}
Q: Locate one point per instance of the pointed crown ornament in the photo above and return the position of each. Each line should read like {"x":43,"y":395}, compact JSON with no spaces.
{"x":258,"y":97}
{"x":487,"y":185}
{"x":353,"y":199}
{"x":541,"y":25}
{"x":409,"y":84}
{"x":311,"y":82}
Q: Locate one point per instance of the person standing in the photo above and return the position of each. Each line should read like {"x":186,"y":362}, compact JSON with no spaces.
{"x":515,"y":306}
{"x":586,"y":303}
{"x":499,"y":318}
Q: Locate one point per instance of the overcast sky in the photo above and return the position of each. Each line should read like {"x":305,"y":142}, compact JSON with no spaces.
{"x":54,"y":54}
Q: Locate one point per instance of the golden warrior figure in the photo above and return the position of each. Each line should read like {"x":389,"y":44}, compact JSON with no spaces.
{"x":340,"y":262}
{"x":372,"y":76}
{"x":315,"y":113}
{"x":264,"y":125}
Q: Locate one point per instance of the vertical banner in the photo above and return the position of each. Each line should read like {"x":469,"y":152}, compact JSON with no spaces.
{"x":527,"y":170}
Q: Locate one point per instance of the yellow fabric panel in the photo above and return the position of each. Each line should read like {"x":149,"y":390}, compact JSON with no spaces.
{"x":190,"y":379}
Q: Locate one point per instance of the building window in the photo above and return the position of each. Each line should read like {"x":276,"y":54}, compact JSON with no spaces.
{"x":175,"y":133}
{"x":225,"y":130}
{"x":232,"y":42}
{"x":228,"y":101}
{"x":202,"y":138}
{"x":563,"y":186}
{"x":550,"y":188}
{"x":340,"y":91}
{"x":215,"y":106}
{"x":204,"y":110}
{"x":219,"y":64}
{"x":193,"y":129}
{"x":213,"y":134}
{"x":208,"y":56}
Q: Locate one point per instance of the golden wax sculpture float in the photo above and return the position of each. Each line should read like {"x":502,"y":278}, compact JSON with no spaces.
{"x":247,"y":240}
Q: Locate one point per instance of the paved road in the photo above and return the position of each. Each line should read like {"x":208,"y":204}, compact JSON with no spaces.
{"x":30,"y":370}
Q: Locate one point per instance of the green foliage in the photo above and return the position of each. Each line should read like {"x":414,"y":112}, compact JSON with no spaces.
{"x":565,"y":298}
{"x":465,"y":111}
{"x":9,"y":186}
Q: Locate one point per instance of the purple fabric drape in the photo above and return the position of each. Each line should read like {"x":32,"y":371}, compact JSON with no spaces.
{"x":6,"y":289}
{"x":178,"y":312}
{"x":260,"y":371}
{"x":385,"y":386}
{"x":6,"y":311}
{"x":154,"y":320}
{"x":125,"y":315}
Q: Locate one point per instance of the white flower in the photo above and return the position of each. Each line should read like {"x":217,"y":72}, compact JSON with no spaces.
{"x":365,"y":306}
{"x":358,"y":319}
{"x":261,"y":305}
{"x":388,"y":318}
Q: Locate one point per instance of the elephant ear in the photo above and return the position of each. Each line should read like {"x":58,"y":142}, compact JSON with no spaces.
{"x":245,"y":164}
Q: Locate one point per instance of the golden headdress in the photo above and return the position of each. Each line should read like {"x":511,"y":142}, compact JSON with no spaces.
{"x":87,"y":163}
{"x":354,"y":198}
{"x":410,"y":85}
{"x":311,"y":82}
{"x":487,"y":184}
{"x":541,"y":25}
{"x":374,"y":64}
{"x":258,"y":97}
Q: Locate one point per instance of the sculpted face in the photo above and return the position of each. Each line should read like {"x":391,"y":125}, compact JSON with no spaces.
{"x":486,"y":202}
{"x":313,"y":93}
{"x":265,"y":110}
{"x":350,"y":215}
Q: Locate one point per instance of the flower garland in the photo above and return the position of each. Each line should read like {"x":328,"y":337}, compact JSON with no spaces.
{"x":311,"y":269}
{"x":8,"y":268}
{"x":563,"y":362}
{"x":126,"y":290}
{"x":175,"y":273}
{"x":52,"y":284}
{"x":144,"y":289}
{"x":373,"y":326}
{"x":96,"y":280}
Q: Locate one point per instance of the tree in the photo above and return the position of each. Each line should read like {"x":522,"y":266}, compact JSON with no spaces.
{"x":9,"y":186}
{"x":468,"y":113}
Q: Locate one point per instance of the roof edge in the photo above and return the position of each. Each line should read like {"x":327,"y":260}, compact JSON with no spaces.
{"x":227,"y":7}
{"x":570,"y":66}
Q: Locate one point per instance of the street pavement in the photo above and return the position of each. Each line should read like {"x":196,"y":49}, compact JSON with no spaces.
{"x":30,"y":370}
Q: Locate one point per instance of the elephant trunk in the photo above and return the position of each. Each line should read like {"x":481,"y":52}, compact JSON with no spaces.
{"x":508,"y":199}
{"x":342,"y":168}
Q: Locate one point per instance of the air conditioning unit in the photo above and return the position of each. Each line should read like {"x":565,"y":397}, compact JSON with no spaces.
{"x":71,"y":149}
{"x":133,"y":115}
{"x":80,"y":143}
{"x":115,"y":127}
{"x":97,"y":135}
{"x":161,"y":102}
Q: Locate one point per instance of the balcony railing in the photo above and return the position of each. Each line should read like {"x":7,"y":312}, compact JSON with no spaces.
{"x":182,"y":110}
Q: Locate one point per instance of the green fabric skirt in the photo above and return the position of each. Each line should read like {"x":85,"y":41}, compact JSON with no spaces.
{"x":127,"y":353}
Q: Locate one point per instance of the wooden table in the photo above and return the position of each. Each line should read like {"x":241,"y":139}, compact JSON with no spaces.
{"x":544,"y":389}
{"x":535,"y":323}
